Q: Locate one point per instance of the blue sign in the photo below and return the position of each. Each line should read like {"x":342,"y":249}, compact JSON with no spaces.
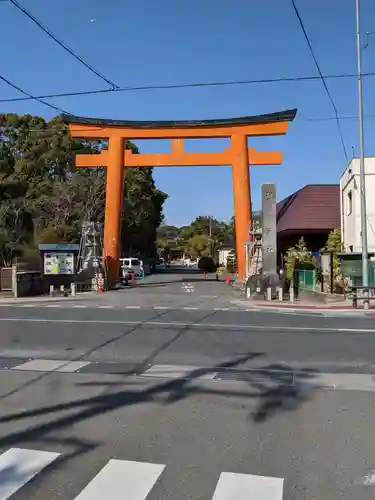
{"x":59,"y":247}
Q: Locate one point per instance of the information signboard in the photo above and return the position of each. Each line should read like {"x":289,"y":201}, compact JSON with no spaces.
{"x":58,"y":263}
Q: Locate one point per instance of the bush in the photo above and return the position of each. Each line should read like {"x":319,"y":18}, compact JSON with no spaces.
{"x":207,"y":264}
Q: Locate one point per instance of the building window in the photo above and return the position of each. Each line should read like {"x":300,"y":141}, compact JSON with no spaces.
{"x":350,"y":203}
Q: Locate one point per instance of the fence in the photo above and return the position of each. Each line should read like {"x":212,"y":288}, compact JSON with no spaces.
{"x":307,"y":280}
{"x":21,"y":283}
{"x":31,"y":265}
{"x":6,"y":279}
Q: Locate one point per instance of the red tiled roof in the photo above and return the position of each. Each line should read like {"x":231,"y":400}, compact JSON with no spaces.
{"x":315,"y":207}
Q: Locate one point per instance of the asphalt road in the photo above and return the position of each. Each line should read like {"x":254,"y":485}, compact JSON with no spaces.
{"x":177,"y":404}
{"x":197,"y":338}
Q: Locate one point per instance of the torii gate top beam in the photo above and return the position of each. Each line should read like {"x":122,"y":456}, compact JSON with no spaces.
{"x":259,"y":125}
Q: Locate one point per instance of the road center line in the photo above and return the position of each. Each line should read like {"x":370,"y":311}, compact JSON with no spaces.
{"x":221,"y":326}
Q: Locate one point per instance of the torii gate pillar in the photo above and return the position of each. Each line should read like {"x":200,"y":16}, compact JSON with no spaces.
{"x":241,"y":197}
{"x":114,"y":205}
{"x":117,"y":158}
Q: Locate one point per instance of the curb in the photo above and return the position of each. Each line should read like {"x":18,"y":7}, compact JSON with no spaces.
{"x":307,"y":308}
{"x":42,"y":299}
{"x":259,"y":306}
{"x":336,"y":312}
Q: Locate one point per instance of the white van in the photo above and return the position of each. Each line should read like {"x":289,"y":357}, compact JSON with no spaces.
{"x":131,"y":264}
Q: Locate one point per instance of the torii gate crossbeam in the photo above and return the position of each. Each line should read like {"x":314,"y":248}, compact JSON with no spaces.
{"x":116,"y":158}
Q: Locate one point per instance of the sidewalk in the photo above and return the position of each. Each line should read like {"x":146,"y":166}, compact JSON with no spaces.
{"x":42,"y":298}
{"x":275,"y":305}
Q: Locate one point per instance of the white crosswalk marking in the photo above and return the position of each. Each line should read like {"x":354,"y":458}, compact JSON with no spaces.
{"x":18,"y":466}
{"x":51,"y":365}
{"x":121,"y":479}
{"x":233,"y":486}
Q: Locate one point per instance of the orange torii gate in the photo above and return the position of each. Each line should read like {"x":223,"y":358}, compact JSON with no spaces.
{"x":238,"y":155}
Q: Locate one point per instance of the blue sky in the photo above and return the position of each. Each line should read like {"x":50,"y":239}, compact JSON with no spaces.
{"x":152,"y":42}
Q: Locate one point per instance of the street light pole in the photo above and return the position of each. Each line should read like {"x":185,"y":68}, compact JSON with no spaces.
{"x":210,"y":234}
{"x":362,"y":177}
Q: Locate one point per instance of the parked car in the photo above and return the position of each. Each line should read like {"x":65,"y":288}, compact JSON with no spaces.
{"x":131,"y":265}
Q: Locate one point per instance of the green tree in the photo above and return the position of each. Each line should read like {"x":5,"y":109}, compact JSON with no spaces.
{"x":231,"y":261}
{"x":44,"y":197}
{"x":334,"y":246}
{"x":179,"y":238}
{"x":168,"y":232}
{"x":297,"y":255}
{"x":198,"y":246}
{"x":142,"y":213}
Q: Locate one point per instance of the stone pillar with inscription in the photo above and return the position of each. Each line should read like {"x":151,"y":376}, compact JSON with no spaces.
{"x":269,"y":233}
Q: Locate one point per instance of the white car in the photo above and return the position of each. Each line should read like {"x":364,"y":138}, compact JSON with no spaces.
{"x":131,"y":264}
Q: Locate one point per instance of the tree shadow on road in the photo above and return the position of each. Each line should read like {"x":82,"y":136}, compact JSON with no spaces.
{"x":274,"y":388}
{"x":282,"y":396}
{"x":104,"y":344}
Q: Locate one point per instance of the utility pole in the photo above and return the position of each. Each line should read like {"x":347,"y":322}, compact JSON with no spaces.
{"x":362,"y":177}
{"x":210,"y":234}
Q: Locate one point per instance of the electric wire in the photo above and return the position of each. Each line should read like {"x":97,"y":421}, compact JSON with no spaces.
{"x":29,"y":96}
{"x":116,"y":88}
{"x":296,"y":11}
{"x":61,"y":43}
{"x":40,"y":98}
{"x":190,"y":85}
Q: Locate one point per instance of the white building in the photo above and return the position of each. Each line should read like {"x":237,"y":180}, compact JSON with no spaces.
{"x":223,"y":255}
{"x":350,"y":203}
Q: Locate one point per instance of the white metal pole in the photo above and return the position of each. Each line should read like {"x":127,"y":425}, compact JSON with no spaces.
{"x":362,"y":178}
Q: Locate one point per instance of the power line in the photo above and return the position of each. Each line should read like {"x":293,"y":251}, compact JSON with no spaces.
{"x":60,"y":110}
{"x":61,"y":43}
{"x":29,"y":96}
{"x":321,"y":77}
{"x":331,"y":118}
{"x":191,"y":85}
